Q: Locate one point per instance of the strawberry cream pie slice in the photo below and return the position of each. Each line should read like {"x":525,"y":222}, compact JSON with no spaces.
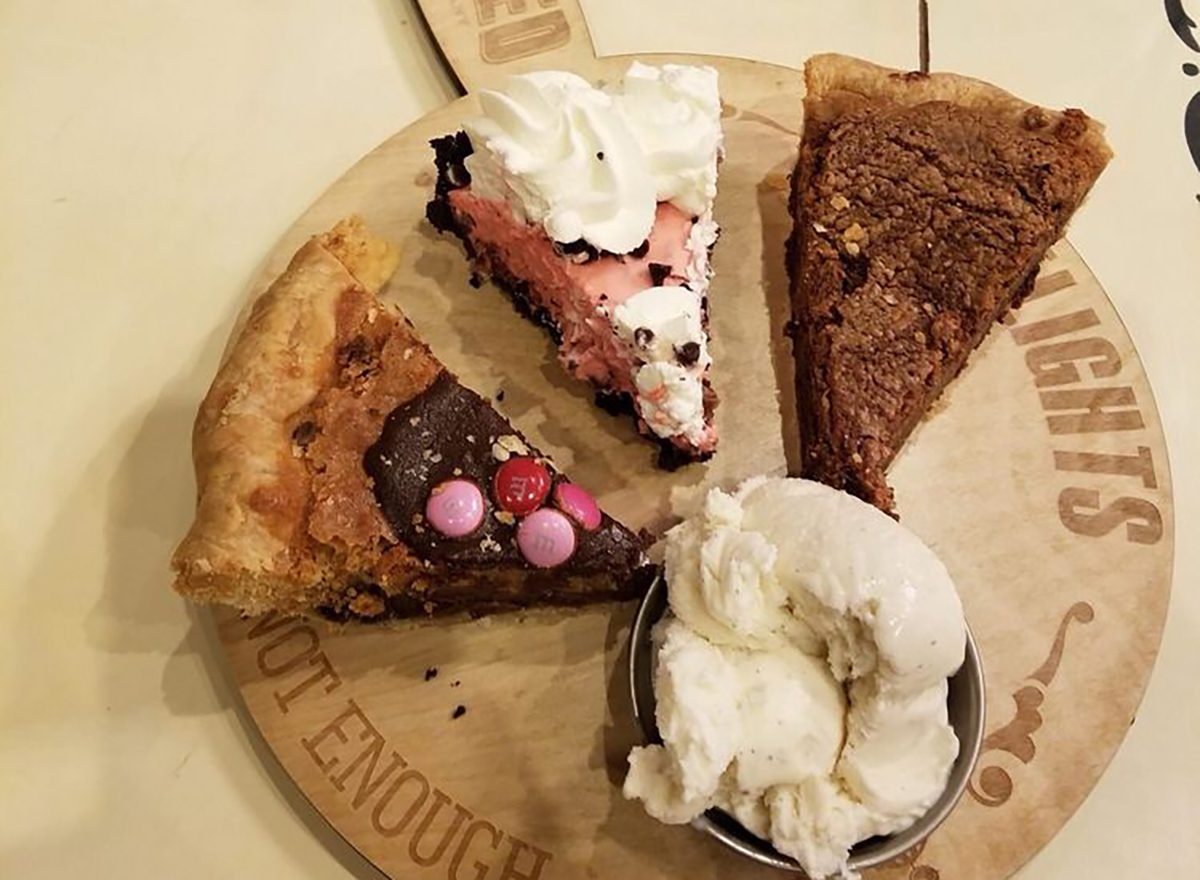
{"x":592,"y":209}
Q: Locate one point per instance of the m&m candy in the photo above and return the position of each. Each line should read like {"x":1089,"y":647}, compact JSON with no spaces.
{"x":521,"y":485}
{"x":577,"y":503}
{"x":546,"y":538}
{"x":455,"y":508}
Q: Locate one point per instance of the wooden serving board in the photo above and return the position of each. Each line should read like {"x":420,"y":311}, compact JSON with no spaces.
{"x":1041,"y":479}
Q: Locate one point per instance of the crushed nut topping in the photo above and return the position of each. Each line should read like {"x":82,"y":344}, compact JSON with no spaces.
{"x":507,"y":445}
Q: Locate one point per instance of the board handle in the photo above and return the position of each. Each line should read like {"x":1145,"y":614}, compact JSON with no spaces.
{"x":486,"y":40}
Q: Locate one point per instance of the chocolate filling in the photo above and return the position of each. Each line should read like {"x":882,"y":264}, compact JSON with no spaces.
{"x":447,"y":432}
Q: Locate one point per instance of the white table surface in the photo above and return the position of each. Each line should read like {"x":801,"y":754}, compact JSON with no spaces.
{"x":152,"y":151}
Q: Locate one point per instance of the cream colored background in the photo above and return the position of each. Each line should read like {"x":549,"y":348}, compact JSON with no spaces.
{"x":151,"y":152}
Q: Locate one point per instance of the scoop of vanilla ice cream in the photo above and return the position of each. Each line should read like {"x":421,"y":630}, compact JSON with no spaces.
{"x":735,"y":721}
{"x":802,"y":674}
{"x":882,"y":600}
{"x":816,"y":824}
{"x":722,"y":580}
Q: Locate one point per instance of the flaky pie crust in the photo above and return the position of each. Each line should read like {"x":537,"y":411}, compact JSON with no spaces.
{"x":244,"y":546}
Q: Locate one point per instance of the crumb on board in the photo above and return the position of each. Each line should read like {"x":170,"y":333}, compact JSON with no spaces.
{"x":459,"y":711}
{"x":430,"y":673}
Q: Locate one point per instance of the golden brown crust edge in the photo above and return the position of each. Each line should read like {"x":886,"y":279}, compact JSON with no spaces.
{"x":370,"y":259}
{"x":238,"y":550}
{"x":830,"y":73}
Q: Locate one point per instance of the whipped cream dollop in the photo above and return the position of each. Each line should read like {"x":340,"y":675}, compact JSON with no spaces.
{"x":674,"y":112}
{"x":664,"y":331}
{"x":701,"y":237}
{"x":801,"y":676}
{"x":592,"y":164}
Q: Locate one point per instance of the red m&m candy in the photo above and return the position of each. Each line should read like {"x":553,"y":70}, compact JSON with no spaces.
{"x":521,"y":485}
{"x":577,"y":503}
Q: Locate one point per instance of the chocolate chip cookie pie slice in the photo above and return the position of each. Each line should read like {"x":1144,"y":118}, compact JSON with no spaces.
{"x":922,"y":207}
{"x":343,"y":470}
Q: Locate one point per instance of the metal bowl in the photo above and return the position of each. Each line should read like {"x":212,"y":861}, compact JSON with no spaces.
{"x":966,"y":711}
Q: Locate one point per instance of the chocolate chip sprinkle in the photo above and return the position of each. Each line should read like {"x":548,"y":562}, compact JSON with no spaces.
{"x":431,"y":673}
{"x":643,"y":336}
{"x":688,"y":353}
{"x":356,"y":350}
{"x":600,"y":155}
{"x":304,"y":433}
{"x":641,"y":250}
{"x":578,"y":248}
{"x":659,"y":272}
{"x":459,"y":711}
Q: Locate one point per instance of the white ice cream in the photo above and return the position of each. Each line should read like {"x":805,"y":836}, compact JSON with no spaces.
{"x":592,"y":164}
{"x":801,"y":677}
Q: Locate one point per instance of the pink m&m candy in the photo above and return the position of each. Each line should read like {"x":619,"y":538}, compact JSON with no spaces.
{"x":577,"y":503}
{"x":546,"y":538}
{"x":455,"y":508}
{"x":521,"y":485}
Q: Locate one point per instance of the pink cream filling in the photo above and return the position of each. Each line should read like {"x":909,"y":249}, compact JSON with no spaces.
{"x":573,"y":292}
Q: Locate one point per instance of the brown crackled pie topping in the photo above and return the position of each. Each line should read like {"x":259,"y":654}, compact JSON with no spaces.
{"x":922,"y":207}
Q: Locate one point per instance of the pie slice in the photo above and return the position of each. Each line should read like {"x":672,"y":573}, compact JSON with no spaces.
{"x":343,"y":470}
{"x":922,"y":206}
{"x":592,"y":209}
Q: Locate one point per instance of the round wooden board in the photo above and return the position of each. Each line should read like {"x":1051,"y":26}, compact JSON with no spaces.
{"x":1041,"y":479}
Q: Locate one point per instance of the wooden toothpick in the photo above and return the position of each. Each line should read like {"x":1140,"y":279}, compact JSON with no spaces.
{"x":923,"y":17}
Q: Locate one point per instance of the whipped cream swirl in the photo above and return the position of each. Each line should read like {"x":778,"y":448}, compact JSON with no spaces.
{"x":674,"y":112}
{"x":664,"y":329}
{"x":592,"y":164}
